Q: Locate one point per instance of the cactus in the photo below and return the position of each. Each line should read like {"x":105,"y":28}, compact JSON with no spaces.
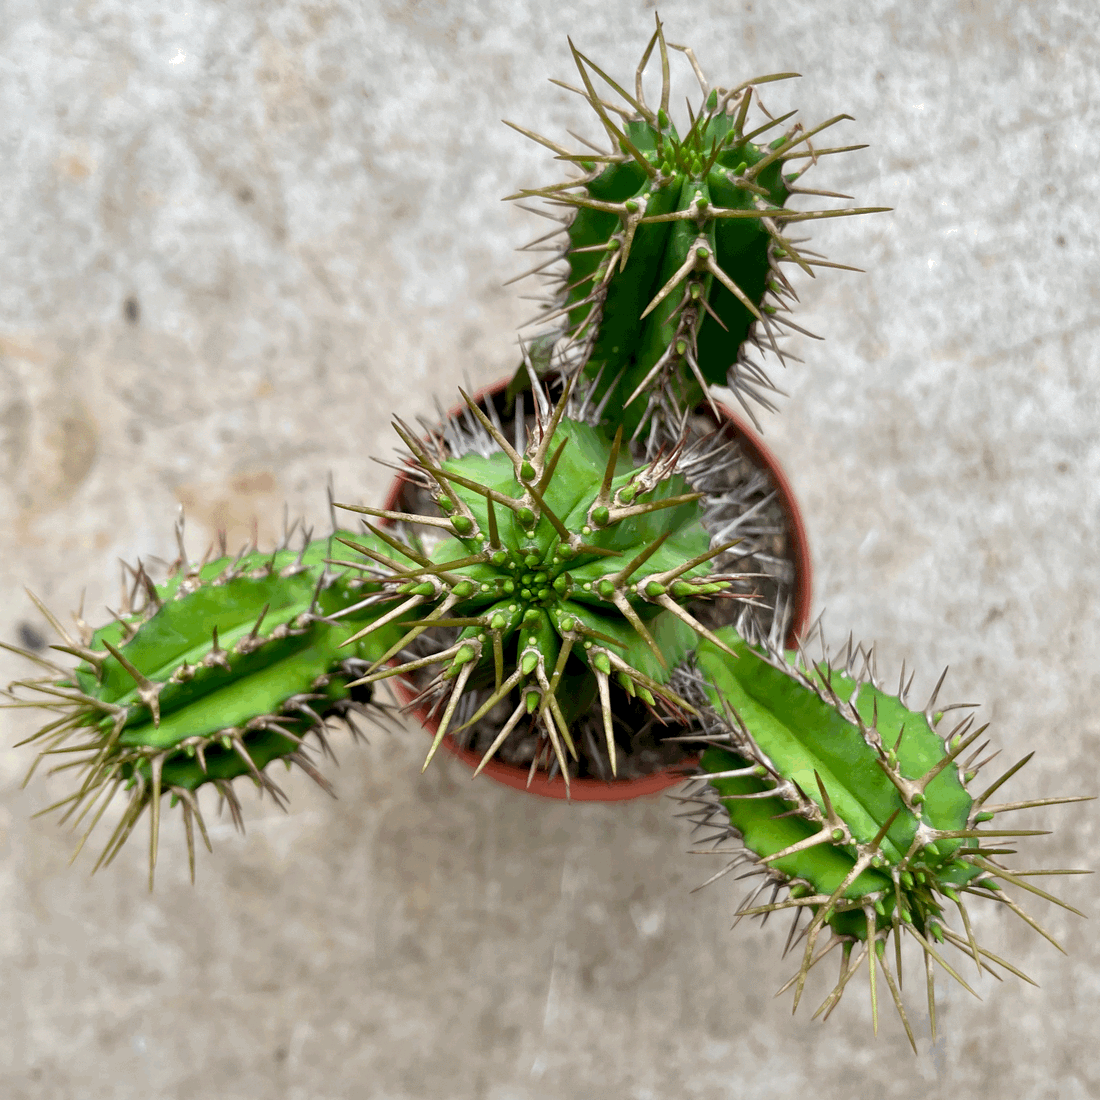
{"x":212,"y":675}
{"x":563,"y":567}
{"x":676,"y":244}
{"x":567,"y":572}
{"x":855,"y":804}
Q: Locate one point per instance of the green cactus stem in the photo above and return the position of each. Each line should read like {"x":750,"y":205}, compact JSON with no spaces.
{"x":676,"y":243}
{"x":858,"y":807}
{"x":565,"y":569}
{"x":229,"y":665}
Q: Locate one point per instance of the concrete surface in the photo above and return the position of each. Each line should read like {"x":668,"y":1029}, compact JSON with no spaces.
{"x":235,"y":236}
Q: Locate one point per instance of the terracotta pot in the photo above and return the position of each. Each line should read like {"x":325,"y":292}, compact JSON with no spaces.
{"x":588,"y":788}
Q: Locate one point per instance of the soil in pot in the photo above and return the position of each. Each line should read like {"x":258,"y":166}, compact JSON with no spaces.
{"x":747,"y":498}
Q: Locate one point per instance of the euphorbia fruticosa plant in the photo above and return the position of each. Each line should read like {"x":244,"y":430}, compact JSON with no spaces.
{"x":562,"y":564}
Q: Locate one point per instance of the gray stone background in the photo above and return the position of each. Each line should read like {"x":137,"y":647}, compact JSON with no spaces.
{"x":300,"y":202}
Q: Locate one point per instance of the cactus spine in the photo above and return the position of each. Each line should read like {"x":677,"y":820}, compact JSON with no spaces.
{"x":676,"y":244}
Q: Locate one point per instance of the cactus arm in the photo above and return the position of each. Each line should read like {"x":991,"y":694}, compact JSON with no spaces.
{"x":226,"y":667}
{"x":674,"y":250}
{"x":851,"y":800}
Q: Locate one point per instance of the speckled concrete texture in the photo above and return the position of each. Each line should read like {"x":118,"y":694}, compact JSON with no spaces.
{"x":236,"y":236}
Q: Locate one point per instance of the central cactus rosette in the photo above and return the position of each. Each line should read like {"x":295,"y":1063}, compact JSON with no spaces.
{"x":563,"y":567}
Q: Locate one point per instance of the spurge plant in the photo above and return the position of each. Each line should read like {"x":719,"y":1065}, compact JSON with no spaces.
{"x":571,"y":562}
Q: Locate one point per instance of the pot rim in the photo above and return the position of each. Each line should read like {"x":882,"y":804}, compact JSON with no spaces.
{"x":588,"y":788}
